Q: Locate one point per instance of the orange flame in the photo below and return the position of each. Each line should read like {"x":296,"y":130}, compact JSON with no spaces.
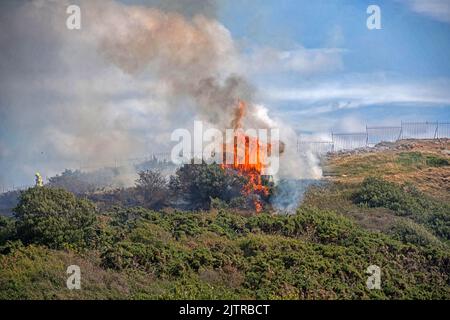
{"x":249,"y":156}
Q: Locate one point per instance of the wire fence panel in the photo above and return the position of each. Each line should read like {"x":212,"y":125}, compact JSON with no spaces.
{"x":419,"y":130}
{"x":375,"y":135}
{"x":382,"y":134}
{"x":443,"y":130}
{"x":349,"y":141}
{"x":316,"y":147}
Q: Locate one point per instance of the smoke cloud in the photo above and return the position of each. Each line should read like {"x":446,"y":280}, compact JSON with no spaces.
{"x":194,"y":58}
{"x":119,"y":86}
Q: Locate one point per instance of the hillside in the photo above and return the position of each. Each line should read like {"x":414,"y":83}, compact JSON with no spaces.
{"x":425,"y":163}
{"x":398,"y":219}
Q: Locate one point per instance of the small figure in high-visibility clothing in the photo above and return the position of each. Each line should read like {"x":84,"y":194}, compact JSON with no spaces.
{"x":38,"y":179}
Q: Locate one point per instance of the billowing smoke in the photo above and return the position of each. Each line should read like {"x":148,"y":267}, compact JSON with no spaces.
{"x":58,"y":100}
{"x":119,"y":86}
{"x":195,"y":59}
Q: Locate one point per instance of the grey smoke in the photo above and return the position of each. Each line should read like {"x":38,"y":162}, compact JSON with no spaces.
{"x":289,"y":194}
{"x":118,"y":87}
{"x":195,"y":58}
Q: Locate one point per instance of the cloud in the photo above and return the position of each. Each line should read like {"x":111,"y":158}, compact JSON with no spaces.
{"x":329,"y":97}
{"x":435,"y":9}
{"x":298,"y":60}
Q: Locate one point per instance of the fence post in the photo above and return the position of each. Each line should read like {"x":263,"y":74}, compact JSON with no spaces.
{"x":367,"y":136}
{"x":400,"y":135}
{"x":332,"y":142}
{"x":436,"y":131}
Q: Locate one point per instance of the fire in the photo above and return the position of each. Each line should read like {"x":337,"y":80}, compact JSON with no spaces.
{"x":248,"y":158}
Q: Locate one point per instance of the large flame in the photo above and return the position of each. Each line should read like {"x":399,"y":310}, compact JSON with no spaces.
{"x":247,"y":155}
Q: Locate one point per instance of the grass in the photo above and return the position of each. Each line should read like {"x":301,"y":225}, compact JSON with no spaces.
{"x":418,"y":160}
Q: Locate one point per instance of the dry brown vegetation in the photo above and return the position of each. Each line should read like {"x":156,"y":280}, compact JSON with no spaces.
{"x":425,"y":163}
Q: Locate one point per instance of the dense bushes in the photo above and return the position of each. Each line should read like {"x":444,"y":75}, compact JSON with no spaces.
{"x":135,"y":252}
{"x":7,"y":230}
{"x":406,"y":201}
{"x":409,"y":232}
{"x":55,"y":218}
{"x":313,"y":254}
{"x":380,"y":193}
{"x":316,"y":225}
{"x":198,"y":184}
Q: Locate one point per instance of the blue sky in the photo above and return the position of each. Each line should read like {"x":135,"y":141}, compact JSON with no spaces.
{"x":411,"y":53}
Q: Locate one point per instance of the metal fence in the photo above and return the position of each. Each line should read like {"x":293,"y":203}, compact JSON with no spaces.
{"x":348,"y":141}
{"x":316,"y":147}
{"x":375,"y":135}
{"x":419,"y":130}
{"x":443,"y":130}
{"x":387,"y":134}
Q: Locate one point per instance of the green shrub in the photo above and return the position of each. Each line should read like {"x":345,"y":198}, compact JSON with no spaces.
{"x":407,"y":201}
{"x":439,"y":221}
{"x":7,"y":230}
{"x":419,"y":160}
{"x":408,"y":231}
{"x":197,"y":184}
{"x":316,"y":225}
{"x":380,"y":193}
{"x":434,"y":161}
{"x":55,"y":218}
